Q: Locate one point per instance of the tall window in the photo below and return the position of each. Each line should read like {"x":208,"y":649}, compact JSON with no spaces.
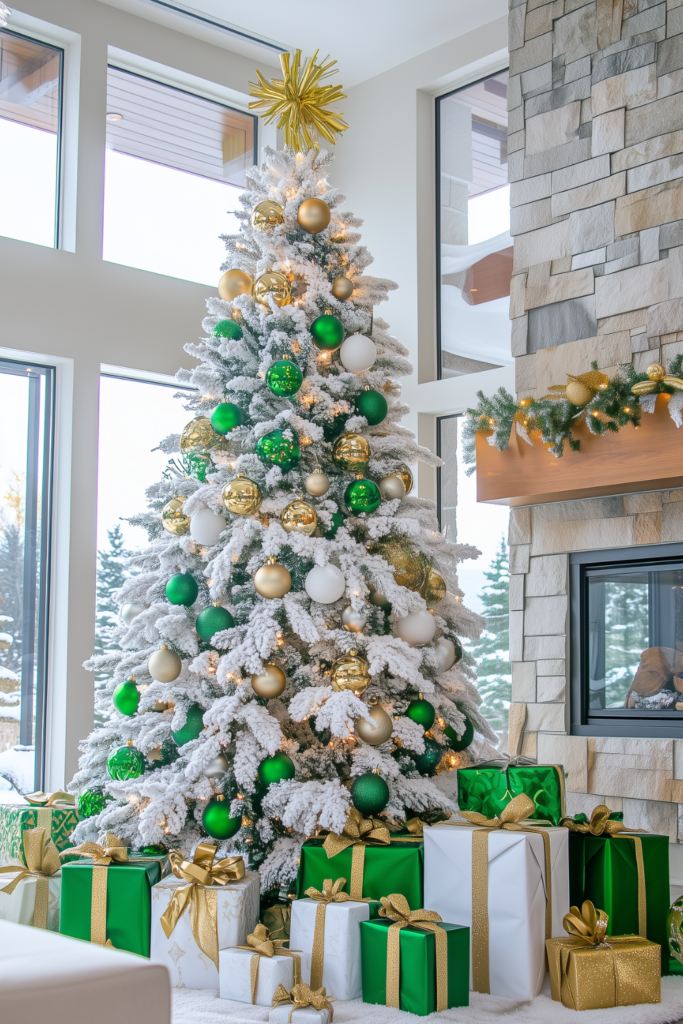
{"x":30,"y":112}
{"x":473,"y":228}
{"x":26,"y":420}
{"x":176,"y":164}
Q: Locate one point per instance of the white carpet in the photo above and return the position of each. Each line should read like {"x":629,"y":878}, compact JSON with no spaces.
{"x":199,"y":1006}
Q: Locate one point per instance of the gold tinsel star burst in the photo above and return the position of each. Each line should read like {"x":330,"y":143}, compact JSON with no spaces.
{"x":299,"y":101}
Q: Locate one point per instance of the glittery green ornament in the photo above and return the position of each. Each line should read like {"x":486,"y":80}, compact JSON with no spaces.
{"x":327,"y":332}
{"x":182,"y":588}
{"x":153,"y":850}
{"x":125,"y":763}
{"x":337,"y":521}
{"x":369,"y":793}
{"x":211,"y":620}
{"x":373,"y":406}
{"x":225,"y":417}
{"x":227,"y":329}
{"x":428,"y":762}
{"x":456,"y":742}
{"x":194,"y":723}
{"x":92,"y":801}
{"x":217,"y":821}
{"x":276,"y":768}
{"x":280,"y":450}
{"x":284,"y":378}
{"x":362,"y":496}
{"x":422,"y":712}
{"x":126,"y":697}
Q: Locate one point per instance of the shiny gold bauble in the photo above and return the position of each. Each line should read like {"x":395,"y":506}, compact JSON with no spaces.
{"x":391,"y":487}
{"x":578,"y":393}
{"x":272,"y":579}
{"x":317,"y":484}
{"x":350,"y":672}
{"x":273,"y":284}
{"x":266,"y":215}
{"x":342,"y":288}
{"x":407,"y":478}
{"x":242,"y":496}
{"x":655,"y":371}
{"x":234,"y":283}
{"x":434,"y":589}
{"x":199,"y":436}
{"x":409,"y":569}
{"x":351,"y":452}
{"x":299,"y":517}
{"x":313,"y":215}
{"x":269,"y":683}
{"x":375,"y":732}
{"x":173,"y":518}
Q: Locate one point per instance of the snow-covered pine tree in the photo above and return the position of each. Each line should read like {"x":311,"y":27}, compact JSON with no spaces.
{"x":111,"y":575}
{"x":303,"y":624}
{"x":491,"y":651}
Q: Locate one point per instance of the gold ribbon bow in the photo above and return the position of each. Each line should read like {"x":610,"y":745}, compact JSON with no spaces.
{"x":261,"y":944}
{"x":56,"y":799}
{"x":202,"y":876}
{"x":396,"y":908}
{"x":331,"y":893}
{"x":113,"y":852}
{"x":513,"y":818}
{"x":303,"y":995}
{"x":41,"y":860}
{"x":588,"y":924}
{"x":358,"y":832}
{"x":416,"y":826}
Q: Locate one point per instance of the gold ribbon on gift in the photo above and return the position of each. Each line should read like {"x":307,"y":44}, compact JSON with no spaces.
{"x":301,"y":996}
{"x":331,"y":893}
{"x":513,"y":818}
{"x":277,"y":920}
{"x":113,"y":852}
{"x":41,"y":860}
{"x":202,"y":876}
{"x":600,"y":825}
{"x":396,"y":908}
{"x":360,"y":832}
{"x":261,"y":944}
{"x":45,"y":803}
{"x":415,"y":826}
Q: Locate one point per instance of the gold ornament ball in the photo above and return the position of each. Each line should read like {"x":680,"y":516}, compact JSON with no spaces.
{"x":317,"y":484}
{"x":234,"y":283}
{"x":164,"y":665}
{"x":409,"y":569}
{"x":242,"y":496}
{"x":407,"y":478}
{"x":352,"y":620}
{"x":350,"y":672}
{"x":266,"y":215}
{"x":351,"y":452}
{"x":299,"y":517}
{"x":375,"y":732}
{"x":434,"y":589}
{"x":269,"y":683}
{"x":199,"y":436}
{"x":342,"y":288}
{"x":391,"y":487}
{"x":313,"y":215}
{"x":655,"y":371}
{"x":272,"y":579}
{"x":272,"y":283}
{"x":578,"y":393}
{"x":173,"y":518}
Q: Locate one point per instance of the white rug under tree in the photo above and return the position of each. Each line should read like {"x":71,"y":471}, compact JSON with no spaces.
{"x":199,"y":1006}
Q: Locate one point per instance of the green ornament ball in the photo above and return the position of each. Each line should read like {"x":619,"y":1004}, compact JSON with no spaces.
{"x":337,"y":521}
{"x":276,"y":768}
{"x":182,"y":589}
{"x":422,"y":712}
{"x":217,"y":821}
{"x":153,"y":850}
{"x":227,"y":329}
{"x":92,"y":801}
{"x":362,"y":496}
{"x":225,"y":417}
{"x":369,"y":793}
{"x":456,"y":742}
{"x":279,"y":450}
{"x":428,"y":762}
{"x":126,"y":697}
{"x":284,"y":378}
{"x":373,"y":406}
{"x":212,"y":620}
{"x":125,"y":763}
{"x":327,"y":332}
{"x":194,"y":723}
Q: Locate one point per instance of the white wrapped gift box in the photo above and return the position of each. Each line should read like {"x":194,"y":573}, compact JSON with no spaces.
{"x":516,"y":897}
{"x":235,"y":975}
{"x":237,"y":907}
{"x":19,"y":905}
{"x":341,"y":964}
{"x":304,"y":1015}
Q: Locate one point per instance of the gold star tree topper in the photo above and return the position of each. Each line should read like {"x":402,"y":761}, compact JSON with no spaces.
{"x":299,"y":101}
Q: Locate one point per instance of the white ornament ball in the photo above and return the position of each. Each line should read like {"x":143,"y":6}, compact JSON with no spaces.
{"x":130,"y":612}
{"x":206,"y":526}
{"x":391,"y":487}
{"x":317,"y":484}
{"x":416,"y":628}
{"x":164,"y":666}
{"x":325,"y":584}
{"x":445,"y":654}
{"x":353,"y":621}
{"x":358,"y":353}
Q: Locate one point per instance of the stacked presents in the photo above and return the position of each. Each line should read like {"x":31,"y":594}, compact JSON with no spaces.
{"x":412,"y":917}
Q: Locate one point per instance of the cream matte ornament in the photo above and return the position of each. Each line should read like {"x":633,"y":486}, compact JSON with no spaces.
{"x":272,"y":579}
{"x":234,"y":283}
{"x":206,"y":526}
{"x":342,"y":288}
{"x":165,"y":666}
{"x":242,"y":496}
{"x":358,"y":353}
{"x":350,"y":672}
{"x":391,"y":487}
{"x":353,"y":621}
{"x":416,"y":628}
{"x":217,"y":767}
{"x":375,"y":732}
{"x":269,"y":683}
{"x":299,"y":517}
{"x":445,"y":654}
{"x":130,"y":612}
{"x":325,"y":583}
{"x":317,"y":484}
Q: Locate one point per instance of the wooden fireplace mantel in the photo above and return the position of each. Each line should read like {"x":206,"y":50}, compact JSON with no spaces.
{"x":644,"y":458}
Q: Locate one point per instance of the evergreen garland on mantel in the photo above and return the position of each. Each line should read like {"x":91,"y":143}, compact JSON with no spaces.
{"x":605,"y":404}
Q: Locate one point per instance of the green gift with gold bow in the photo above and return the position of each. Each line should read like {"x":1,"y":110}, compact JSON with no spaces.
{"x":490,"y":786}
{"x":55,"y":812}
{"x":622,"y":870}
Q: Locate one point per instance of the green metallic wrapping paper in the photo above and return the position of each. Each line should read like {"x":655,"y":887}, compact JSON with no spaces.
{"x":394,"y":868}
{"x":604,"y":871}
{"x":15,"y":819}
{"x":418,"y":966}
{"x":489,"y":790}
{"x":128,"y":903}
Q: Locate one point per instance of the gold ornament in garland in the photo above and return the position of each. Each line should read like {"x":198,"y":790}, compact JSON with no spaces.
{"x":658,"y":376}
{"x":273,"y":284}
{"x":350,"y":672}
{"x":299,"y":517}
{"x":173,"y":518}
{"x":266,"y":215}
{"x":410,"y":569}
{"x":242,"y":496}
{"x":234,"y":283}
{"x":580,"y":390}
{"x":351,"y":452}
{"x":434,"y":589}
{"x":199,"y":436}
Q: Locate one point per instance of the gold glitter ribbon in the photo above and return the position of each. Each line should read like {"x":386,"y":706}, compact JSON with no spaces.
{"x":41,"y":860}
{"x":277,"y":920}
{"x":331,"y":893}
{"x":301,"y":996}
{"x":600,"y":825}
{"x":416,"y":827}
{"x":261,"y":944}
{"x":360,"y":832}
{"x":56,"y":799}
{"x":199,"y":895}
{"x":396,"y":908}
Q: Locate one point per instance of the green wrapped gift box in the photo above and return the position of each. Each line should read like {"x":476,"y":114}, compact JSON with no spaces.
{"x":128,"y":913}
{"x":417,"y":991}
{"x":393,"y":868}
{"x":490,"y":787}
{"x":15,"y":819}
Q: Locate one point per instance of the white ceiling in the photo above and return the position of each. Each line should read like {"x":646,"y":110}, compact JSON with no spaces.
{"x":366,"y":37}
